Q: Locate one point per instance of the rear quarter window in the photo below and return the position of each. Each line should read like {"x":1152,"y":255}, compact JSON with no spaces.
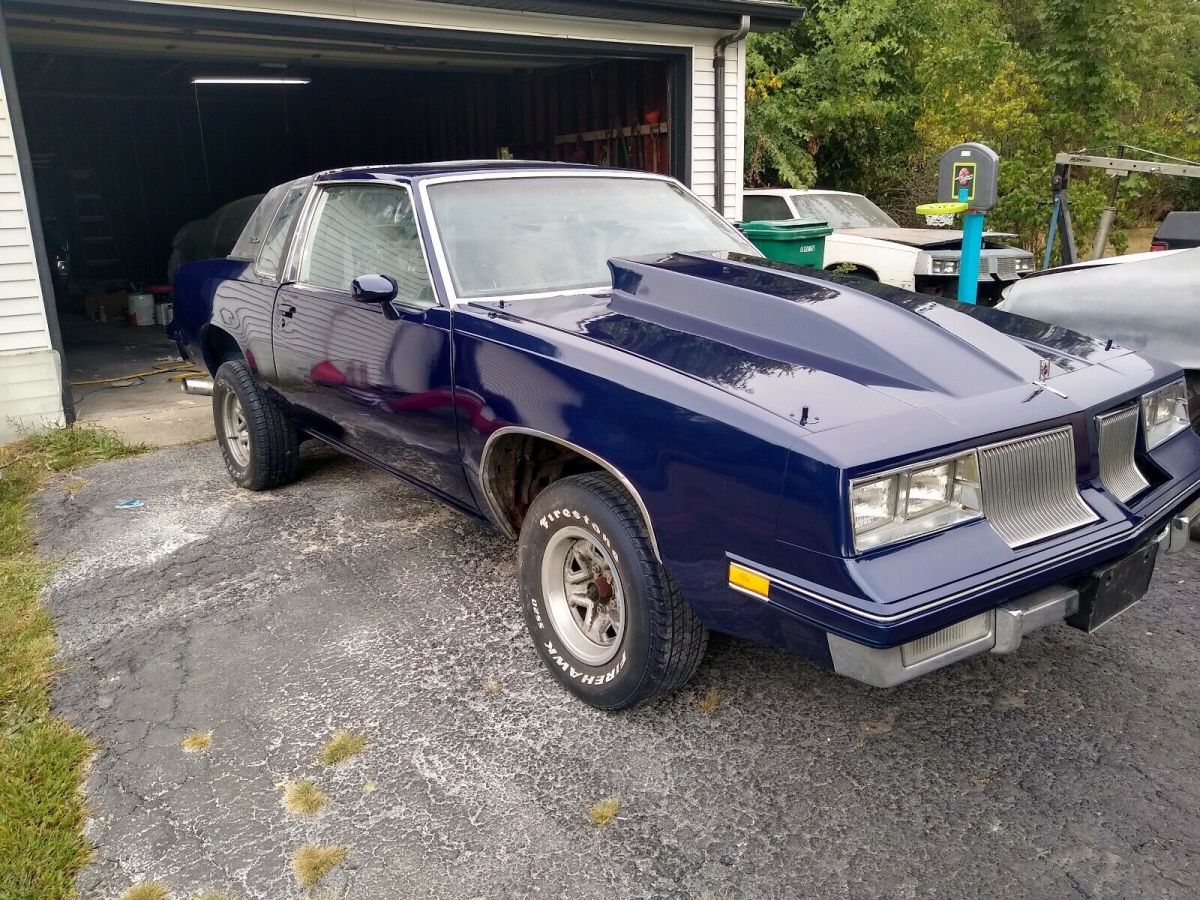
{"x":764,"y":209}
{"x":255,"y":232}
{"x":275,"y":242}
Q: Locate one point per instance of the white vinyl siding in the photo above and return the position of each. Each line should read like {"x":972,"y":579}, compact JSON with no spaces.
{"x":699,"y":41}
{"x":30,"y":371}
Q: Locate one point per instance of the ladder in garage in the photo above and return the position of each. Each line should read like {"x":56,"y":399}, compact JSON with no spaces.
{"x":103,"y":268}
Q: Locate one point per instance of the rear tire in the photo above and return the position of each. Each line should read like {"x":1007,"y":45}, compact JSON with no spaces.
{"x":259,"y":442}
{"x":607,"y":620}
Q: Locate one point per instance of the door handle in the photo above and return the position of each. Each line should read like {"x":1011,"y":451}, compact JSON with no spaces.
{"x":289,"y":311}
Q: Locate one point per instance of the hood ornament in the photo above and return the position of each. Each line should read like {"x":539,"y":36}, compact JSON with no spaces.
{"x":1043,"y":375}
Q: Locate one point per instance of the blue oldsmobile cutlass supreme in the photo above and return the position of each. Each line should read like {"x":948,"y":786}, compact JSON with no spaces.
{"x":684,"y":436}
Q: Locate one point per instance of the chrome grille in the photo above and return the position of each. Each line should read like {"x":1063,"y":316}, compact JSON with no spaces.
{"x":1029,"y":490}
{"x":1119,"y":473}
{"x":1006,"y":267}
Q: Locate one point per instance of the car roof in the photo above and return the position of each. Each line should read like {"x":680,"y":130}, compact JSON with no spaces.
{"x":452,"y":167}
{"x":783,"y":192}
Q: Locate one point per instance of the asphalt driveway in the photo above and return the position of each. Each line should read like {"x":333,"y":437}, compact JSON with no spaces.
{"x":349,"y":601}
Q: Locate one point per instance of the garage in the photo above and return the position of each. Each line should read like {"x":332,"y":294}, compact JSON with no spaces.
{"x":142,"y":131}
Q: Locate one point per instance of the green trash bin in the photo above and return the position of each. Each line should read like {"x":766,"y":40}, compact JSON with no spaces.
{"x":789,"y":240}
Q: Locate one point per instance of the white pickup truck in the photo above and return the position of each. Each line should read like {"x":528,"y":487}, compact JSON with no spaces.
{"x":866,"y":241}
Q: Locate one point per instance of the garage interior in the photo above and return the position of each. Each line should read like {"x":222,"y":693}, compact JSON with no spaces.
{"x":130,"y":141}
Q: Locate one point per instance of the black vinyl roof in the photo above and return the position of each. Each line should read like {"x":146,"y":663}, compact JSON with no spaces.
{"x":765,"y":15}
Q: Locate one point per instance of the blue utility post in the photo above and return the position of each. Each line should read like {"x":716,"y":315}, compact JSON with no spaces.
{"x":972,"y":246}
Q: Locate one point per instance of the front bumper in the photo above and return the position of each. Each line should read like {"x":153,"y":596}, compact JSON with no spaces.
{"x":997,"y":630}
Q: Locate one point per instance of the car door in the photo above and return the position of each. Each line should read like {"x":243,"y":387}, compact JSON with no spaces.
{"x":373,"y":377}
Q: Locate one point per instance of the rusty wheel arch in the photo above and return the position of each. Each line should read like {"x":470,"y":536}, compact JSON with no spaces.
{"x":518,"y":463}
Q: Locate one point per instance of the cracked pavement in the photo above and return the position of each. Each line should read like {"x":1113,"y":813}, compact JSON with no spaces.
{"x":348,"y":600}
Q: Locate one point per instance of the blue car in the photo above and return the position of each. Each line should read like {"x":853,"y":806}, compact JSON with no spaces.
{"x":682,"y":436}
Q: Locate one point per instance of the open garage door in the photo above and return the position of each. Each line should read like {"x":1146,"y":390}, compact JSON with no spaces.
{"x":139,"y":124}
{"x":152,"y":128}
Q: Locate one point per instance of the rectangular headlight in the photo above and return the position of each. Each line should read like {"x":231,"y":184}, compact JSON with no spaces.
{"x":1025,"y":265}
{"x":915,"y":500}
{"x":945,"y":267}
{"x":1164,"y":413}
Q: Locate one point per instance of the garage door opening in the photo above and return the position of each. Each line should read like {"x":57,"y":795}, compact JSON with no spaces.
{"x":150,"y":148}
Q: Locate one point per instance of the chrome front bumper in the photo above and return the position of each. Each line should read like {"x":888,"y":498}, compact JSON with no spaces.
{"x":996,"y":630}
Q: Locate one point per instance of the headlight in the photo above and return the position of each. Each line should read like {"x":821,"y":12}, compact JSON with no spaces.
{"x":915,"y":500}
{"x":1025,"y":264}
{"x":945,"y":267}
{"x":1164,"y":413}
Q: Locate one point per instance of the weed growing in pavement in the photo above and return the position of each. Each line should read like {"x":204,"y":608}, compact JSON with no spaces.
{"x":303,"y":797}
{"x":339,"y":748}
{"x":605,"y":811}
{"x":711,"y":702}
{"x":147,"y":890}
{"x":312,"y":863}
{"x":197,"y":742}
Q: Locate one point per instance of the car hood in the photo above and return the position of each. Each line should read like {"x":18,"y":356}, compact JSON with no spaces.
{"x":1145,"y":301}
{"x":820,"y":351}
{"x":925,"y":238}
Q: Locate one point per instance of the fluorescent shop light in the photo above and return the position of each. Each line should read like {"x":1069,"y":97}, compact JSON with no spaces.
{"x":252,"y":79}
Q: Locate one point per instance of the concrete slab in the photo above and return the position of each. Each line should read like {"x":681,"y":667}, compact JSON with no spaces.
{"x":147,"y":408}
{"x":348,"y":600}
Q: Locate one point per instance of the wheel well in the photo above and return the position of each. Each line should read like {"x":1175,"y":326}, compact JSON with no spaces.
{"x":219,"y":346}
{"x":518,"y":467}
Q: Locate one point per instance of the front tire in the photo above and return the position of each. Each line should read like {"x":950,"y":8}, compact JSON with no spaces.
{"x":259,"y":442}
{"x":607,"y":620}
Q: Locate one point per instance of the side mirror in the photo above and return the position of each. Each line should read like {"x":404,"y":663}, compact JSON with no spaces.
{"x":374,"y":289}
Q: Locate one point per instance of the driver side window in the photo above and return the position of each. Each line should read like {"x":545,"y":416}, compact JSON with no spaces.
{"x":365,"y":230}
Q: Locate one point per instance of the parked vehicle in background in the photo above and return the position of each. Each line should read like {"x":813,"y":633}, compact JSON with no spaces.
{"x":1177,"y":231}
{"x":1145,"y":301}
{"x":683,"y":435}
{"x":867,"y":242}
{"x":212,"y":236}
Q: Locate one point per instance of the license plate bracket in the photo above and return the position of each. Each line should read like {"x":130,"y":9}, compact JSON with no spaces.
{"x":1112,"y":589}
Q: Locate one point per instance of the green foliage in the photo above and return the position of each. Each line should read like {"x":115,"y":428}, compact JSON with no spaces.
{"x":865,"y":94}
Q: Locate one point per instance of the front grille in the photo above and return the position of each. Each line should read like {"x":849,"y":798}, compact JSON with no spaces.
{"x":1006,"y":267}
{"x":960,"y":634}
{"x":1029,"y":490}
{"x":1119,"y":473}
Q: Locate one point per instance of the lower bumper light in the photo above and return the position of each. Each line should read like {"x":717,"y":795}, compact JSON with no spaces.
{"x":960,"y":634}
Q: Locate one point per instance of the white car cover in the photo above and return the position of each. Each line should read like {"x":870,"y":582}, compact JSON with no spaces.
{"x":1150,"y":302}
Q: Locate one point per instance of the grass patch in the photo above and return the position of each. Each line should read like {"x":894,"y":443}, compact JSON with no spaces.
{"x":211,"y":894}
{"x":42,"y":760}
{"x":312,"y":863}
{"x":605,"y":811}
{"x":147,"y":890}
{"x":339,"y":748}
{"x":303,"y":797}
{"x":196,"y":742}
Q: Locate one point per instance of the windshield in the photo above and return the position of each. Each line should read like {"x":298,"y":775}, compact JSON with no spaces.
{"x":841,"y":211}
{"x":530,"y":235}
